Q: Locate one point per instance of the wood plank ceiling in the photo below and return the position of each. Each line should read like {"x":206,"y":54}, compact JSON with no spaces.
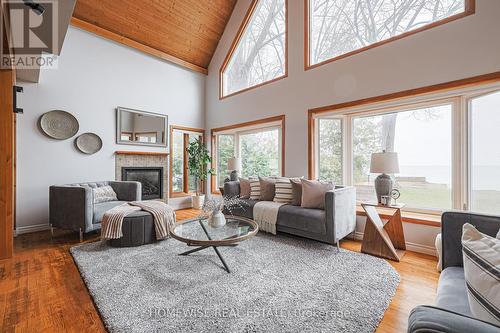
{"x":188,"y":30}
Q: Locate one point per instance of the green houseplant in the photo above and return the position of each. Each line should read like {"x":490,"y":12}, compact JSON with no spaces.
{"x":198,"y":160}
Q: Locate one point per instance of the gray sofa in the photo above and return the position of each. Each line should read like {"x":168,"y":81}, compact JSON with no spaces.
{"x":336,"y":221}
{"x":452,"y":312}
{"x":72,"y":207}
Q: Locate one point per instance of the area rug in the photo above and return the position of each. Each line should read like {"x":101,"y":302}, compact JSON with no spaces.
{"x":277,"y":284}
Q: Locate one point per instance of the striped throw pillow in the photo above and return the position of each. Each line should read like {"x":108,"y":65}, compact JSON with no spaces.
{"x":283,"y":193}
{"x":482,"y":273}
{"x":254,"y":188}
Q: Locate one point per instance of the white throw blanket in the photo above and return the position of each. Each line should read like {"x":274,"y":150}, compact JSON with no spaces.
{"x":265,"y":213}
{"x":163,"y":215}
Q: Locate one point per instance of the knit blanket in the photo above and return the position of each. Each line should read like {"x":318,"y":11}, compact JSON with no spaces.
{"x":163,"y":215}
{"x":265,"y":213}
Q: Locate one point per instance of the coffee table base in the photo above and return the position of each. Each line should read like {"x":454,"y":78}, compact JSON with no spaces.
{"x":216,"y":251}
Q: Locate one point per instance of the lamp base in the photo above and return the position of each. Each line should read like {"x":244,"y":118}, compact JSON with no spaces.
{"x":234,"y":175}
{"x":383,"y":186}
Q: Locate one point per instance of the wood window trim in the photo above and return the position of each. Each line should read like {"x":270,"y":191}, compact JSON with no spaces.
{"x":431,"y":220}
{"x":441,"y":87}
{"x":214,"y":131}
{"x":184,"y":129}
{"x":234,"y":45}
{"x":470,"y":9}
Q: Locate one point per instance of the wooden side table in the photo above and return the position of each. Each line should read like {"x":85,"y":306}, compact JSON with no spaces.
{"x":383,"y":240}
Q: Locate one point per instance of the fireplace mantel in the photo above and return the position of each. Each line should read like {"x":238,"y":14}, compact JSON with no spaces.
{"x":150,"y":153}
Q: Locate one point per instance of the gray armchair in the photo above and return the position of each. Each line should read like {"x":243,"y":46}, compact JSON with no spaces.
{"x":452,"y":312}
{"x":72,"y":206}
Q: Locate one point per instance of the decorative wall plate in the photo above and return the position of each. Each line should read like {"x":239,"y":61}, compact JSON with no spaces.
{"x":59,"y":125}
{"x":88,"y":143}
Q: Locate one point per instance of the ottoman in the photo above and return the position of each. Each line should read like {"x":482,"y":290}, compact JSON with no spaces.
{"x":138,"y":229}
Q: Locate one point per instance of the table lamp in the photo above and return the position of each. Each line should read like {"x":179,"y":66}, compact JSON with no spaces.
{"x":384,"y":163}
{"x":234,"y":165}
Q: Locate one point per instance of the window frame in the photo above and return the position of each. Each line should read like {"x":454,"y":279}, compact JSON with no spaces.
{"x":238,"y":130}
{"x":470,"y":9}
{"x":186,"y":132}
{"x":459,"y":98}
{"x":234,"y":46}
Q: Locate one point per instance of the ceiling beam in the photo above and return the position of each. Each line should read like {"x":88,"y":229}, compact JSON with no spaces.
{"x":135,"y":45}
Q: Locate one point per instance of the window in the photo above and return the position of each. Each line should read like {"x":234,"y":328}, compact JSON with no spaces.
{"x":258,"y":54}
{"x":259,"y":144}
{"x":337,"y":28}
{"x":485,"y":153}
{"x":446,"y":144}
{"x":181,"y":182}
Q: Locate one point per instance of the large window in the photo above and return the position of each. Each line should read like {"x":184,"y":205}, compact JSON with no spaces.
{"x":446,"y":144}
{"x":181,"y":182}
{"x":258,"y":144}
{"x":341,"y":27}
{"x":485,"y":153}
{"x":259,"y":53}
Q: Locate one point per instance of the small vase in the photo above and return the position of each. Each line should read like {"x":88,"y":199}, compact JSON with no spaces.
{"x":217,"y":220}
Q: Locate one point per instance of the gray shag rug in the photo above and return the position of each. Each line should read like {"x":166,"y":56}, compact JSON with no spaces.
{"x":277,"y":284}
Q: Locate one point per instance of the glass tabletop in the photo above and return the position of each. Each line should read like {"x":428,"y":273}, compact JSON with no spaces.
{"x":198,"y":231}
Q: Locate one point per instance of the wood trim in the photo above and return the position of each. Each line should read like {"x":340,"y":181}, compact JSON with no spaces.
{"x":7,"y":158}
{"x":76,"y":22}
{"x":408,"y":217}
{"x":441,"y":87}
{"x":234,"y":45}
{"x":122,"y":152}
{"x":173,"y":128}
{"x":470,"y":9}
{"x":214,"y":131}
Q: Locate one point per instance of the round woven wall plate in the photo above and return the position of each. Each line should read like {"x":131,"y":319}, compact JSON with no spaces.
{"x":88,"y":143}
{"x":59,"y":125}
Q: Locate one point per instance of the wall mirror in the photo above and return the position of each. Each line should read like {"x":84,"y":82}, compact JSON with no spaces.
{"x":135,"y":127}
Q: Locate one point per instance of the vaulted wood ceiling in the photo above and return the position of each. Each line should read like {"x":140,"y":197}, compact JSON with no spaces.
{"x":188,"y":30}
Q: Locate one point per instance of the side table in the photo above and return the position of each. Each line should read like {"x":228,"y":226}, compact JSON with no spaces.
{"x":383,"y":240}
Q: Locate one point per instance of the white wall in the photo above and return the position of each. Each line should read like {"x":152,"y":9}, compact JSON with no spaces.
{"x":93,"y":78}
{"x":460,"y":49}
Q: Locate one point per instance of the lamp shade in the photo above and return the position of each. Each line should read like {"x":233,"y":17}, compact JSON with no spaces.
{"x":234,"y":163}
{"x":386,"y":162}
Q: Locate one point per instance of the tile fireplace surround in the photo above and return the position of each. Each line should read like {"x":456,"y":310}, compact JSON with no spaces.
{"x":143,"y":159}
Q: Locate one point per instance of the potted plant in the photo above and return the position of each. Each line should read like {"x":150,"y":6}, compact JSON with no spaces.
{"x":198,"y":160}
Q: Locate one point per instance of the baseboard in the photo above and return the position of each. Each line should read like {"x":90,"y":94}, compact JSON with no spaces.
{"x":31,"y":228}
{"x":414,"y":247}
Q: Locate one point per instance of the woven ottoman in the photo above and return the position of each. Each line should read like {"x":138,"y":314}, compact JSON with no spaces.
{"x":138,"y":229}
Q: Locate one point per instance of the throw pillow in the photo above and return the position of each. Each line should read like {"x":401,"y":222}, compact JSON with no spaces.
{"x":104,"y":194}
{"x":296,"y":191}
{"x":283,"y":192}
{"x":267,"y":188}
{"x":244,"y":188}
{"x":254,"y":188}
{"x":313,"y":193}
{"x":482,"y":273}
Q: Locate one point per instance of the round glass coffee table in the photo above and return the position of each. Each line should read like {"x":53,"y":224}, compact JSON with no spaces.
{"x":198,"y":232}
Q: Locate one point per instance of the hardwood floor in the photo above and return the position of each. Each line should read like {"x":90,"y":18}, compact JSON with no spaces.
{"x":41,"y":289}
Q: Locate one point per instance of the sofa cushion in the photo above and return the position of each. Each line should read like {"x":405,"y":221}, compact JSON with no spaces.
{"x":283,"y":190}
{"x":296,"y":191}
{"x":313,"y":193}
{"x":267,"y":188}
{"x":103,"y":207}
{"x":305,"y":219}
{"x":482,"y":273}
{"x":452,"y":291}
{"x":244,"y":188}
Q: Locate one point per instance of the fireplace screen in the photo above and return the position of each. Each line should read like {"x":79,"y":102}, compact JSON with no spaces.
{"x":150,"y":178}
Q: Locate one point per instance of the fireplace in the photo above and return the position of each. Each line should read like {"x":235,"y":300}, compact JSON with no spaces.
{"x":150,"y":178}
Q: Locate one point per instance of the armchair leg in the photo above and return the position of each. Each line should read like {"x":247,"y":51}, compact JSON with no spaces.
{"x":51,"y":230}
{"x":337,"y":244}
{"x":81,"y":235}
